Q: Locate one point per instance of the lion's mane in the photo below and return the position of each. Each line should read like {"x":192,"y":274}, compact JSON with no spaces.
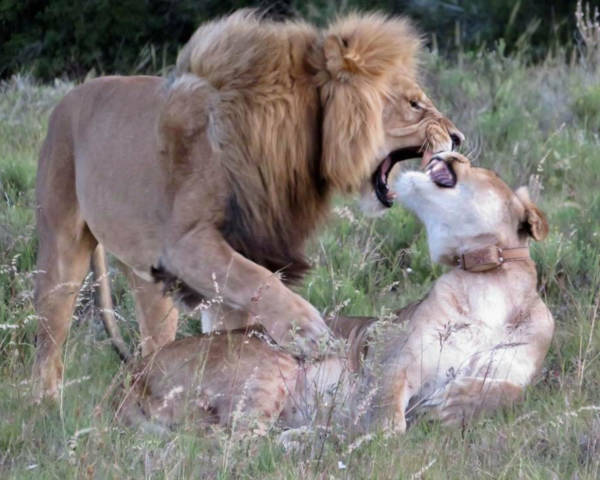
{"x":295,"y":114}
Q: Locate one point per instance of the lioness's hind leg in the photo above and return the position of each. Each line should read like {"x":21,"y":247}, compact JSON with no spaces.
{"x":222,"y":317}
{"x":155,"y":311}
{"x":63,"y":261}
{"x":468,"y":397}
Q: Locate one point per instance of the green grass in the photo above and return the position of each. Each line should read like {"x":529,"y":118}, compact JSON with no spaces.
{"x":534,"y":125}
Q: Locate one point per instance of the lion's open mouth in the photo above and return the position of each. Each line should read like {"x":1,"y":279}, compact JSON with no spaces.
{"x":380,"y":177}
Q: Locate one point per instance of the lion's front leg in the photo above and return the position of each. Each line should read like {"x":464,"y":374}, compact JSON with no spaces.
{"x":204,"y":261}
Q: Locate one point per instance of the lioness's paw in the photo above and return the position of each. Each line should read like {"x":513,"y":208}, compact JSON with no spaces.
{"x":294,"y":439}
{"x":463,"y":400}
{"x":302,"y":439}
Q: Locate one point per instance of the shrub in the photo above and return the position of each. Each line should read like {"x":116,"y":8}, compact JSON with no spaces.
{"x":68,"y":38}
{"x":587,"y":107}
{"x":59,"y":38}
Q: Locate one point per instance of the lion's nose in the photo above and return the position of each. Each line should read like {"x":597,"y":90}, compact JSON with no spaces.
{"x":457,"y":139}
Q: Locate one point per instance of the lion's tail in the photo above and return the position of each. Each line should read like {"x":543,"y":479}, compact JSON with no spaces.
{"x":106,"y":305}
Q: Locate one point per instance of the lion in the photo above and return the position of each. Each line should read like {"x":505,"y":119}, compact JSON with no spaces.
{"x":209,"y":183}
{"x":471,"y":345}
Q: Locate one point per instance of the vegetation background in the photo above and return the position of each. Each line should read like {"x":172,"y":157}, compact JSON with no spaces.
{"x":521,"y":79}
{"x":69,"y":38}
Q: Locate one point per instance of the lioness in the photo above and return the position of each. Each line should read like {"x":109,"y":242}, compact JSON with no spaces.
{"x":472,"y":344}
{"x":211,"y":182}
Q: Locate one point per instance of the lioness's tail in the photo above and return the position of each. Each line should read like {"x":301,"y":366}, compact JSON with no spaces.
{"x":105,"y":303}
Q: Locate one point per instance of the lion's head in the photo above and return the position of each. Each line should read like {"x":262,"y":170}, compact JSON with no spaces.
{"x":375,"y":112}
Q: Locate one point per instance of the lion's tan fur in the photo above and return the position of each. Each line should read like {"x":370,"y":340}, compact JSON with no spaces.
{"x":213,"y":180}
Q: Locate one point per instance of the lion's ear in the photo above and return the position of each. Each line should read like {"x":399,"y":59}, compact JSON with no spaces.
{"x":534,"y":222}
{"x":371,"y":46}
{"x":340,"y":60}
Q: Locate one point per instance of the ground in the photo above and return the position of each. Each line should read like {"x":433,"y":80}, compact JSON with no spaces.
{"x":535,"y":125}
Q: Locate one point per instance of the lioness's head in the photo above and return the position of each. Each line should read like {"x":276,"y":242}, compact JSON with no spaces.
{"x":375,"y":112}
{"x":465,"y":208}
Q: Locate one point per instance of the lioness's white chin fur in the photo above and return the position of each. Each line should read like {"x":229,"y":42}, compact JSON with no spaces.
{"x":439,"y":209}
{"x":409,"y":188}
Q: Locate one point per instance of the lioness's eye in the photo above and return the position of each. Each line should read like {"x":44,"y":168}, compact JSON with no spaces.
{"x":415,"y":105}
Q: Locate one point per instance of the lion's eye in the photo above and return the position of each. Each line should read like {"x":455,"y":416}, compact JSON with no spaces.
{"x":415,"y":105}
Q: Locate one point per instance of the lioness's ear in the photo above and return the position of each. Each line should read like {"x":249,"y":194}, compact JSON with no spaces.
{"x":534,"y":222}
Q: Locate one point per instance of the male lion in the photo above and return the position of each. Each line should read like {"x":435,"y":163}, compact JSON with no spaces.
{"x":472,"y":344}
{"x":213,"y":181}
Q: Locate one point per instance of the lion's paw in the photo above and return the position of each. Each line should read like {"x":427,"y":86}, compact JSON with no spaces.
{"x":302,"y":331}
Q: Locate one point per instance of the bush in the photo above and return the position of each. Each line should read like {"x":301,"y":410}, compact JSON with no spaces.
{"x":68,"y":38}
{"x":59,"y":38}
{"x":587,"y":107}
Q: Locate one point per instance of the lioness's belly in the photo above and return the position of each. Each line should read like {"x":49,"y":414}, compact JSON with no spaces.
{"x":119,"y":182}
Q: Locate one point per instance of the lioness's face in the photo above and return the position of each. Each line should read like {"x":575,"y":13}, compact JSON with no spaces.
{"x":413,"y":127}
{"x":464,"y":207}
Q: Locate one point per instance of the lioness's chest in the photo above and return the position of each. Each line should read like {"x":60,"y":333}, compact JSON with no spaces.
{"x":466,"y":339}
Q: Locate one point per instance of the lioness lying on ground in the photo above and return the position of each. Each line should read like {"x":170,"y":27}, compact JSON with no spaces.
{"x":472,"y":344}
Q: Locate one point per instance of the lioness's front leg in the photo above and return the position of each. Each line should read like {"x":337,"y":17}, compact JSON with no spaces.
{"x":206,"y":262}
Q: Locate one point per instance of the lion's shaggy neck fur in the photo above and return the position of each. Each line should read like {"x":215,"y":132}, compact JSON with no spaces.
{"x":275,"y":99}
{"x":268,"y":118}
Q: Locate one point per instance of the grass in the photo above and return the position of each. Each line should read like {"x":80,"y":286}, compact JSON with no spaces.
{"x":535,"y":125}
